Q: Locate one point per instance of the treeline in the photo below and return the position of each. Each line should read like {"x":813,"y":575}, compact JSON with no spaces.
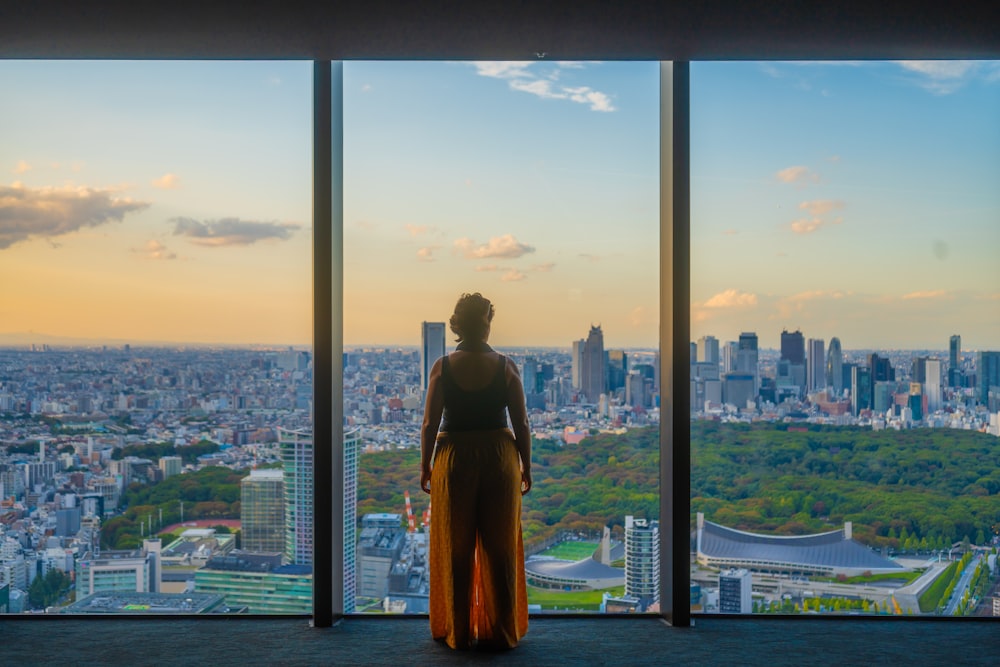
{"x":210,"y":493}
{"x":157,"y":450}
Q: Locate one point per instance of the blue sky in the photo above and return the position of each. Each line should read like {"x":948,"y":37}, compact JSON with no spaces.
{"x":172,"y":200}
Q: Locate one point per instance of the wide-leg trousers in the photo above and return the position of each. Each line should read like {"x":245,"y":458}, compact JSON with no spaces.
{"x":478,"y":592}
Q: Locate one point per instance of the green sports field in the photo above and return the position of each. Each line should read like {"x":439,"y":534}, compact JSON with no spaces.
{"x":552,"y":600}
{"x":571,"y":550}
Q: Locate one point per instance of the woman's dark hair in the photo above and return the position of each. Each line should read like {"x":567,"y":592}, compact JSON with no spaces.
{"x":473,"y":314}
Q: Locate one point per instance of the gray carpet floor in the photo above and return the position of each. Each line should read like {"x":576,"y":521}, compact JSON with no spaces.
{"x":550,"y":641}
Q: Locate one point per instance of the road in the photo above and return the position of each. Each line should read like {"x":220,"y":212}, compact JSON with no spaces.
{"x":962,"y":585}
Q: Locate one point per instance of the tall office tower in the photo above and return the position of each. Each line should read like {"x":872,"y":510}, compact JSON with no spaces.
{"x":694,"y":352}
{"x":747,"y":357}
{"x":708,"y":350}
{"x":834,"y":367}
{"x":642,"y":560}
{"x":297,"y":463}
{"x":576,"y":357}
{"x":617,"y":369}
{"x":352,"y":440}
{"x":729,"y":353}
{"x":932,"y":384}
{"x":793,"y":346}
{"x":918,"y":369}
{"x":881,"y":370}
{"x":593,"y":371}
{"x":262,"y":511}
{"x":816,"y":368}
{"x":861,"y":389}
{"x":735,"y":592}
{"x":955,"y":361}
{"x":635,"y":390}
{"x":987,"y":376}
{"x":431,"y":349}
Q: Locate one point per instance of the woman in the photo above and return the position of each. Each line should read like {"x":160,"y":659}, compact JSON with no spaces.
{"x":480,"y":470}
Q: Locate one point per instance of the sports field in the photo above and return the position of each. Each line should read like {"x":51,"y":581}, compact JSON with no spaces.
{"x":552,"y":600}
{"x":571,"y":550}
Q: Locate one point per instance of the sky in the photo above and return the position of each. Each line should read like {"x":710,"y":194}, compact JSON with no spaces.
{"x":171,"y":201}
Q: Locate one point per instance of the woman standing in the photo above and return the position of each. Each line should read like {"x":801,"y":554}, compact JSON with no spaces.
{"x":481,"y":468}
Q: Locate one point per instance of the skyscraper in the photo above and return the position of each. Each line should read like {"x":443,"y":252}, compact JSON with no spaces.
{"x":431,"y":349}
{"x":593,"y":371}
{"x":834,"y":367}
{"x":861,"y":389}
{"x":735,"y":592}
{"x":617,"y":369}
{"x":297,"y":465}
{"x":262,"y":511}
{"x":955,"y":361}
{"x":793,"y":347}
{"x":351,"y":441}
{"x":708,"y":349}
{"x":642,"y":560}
{"x":577,"y":363}
{"x":932,"y":384}
{"x":747,"y":357}
{"x":816,"y":368}
{"x":987,"y":375}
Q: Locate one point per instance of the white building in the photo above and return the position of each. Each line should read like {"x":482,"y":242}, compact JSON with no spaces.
{"x":735,"y":592}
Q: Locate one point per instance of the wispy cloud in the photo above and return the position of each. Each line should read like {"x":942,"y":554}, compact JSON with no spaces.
{"x":417,"y":230}
{"x":926,"y":294}
{"x":167,"y":182}
{"x":155,"y":250}
{"x":426,"y":254}
{"x":731,"y":298}
{"x":798,"y":175}
{"x":730,"y":232}
{"x":513,"y":276}
{"x":485,"y":268}
{"x":50,"y":212}
{"x":544,"y":268}
{"x":21,"y":167}
{"x":540,"y":79}
{"x":943,"y":77}
{"x":590,"y":257}
{"x":505,"y":246}
{"x":821,"y":206}
{"x":232,"y":231}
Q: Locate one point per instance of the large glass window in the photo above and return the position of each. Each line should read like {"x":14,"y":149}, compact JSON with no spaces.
{"x":845,"y":336}
{"x":536,"y":184}
{"x":155,"y":337}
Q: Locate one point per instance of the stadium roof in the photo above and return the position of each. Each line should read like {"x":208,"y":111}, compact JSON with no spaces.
{"x":585,"y":569}
{"x":833,"y":551}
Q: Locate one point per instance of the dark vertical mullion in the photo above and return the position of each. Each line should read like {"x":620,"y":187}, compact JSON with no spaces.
{"x":325,"y":588}
{"x":675,"y":309}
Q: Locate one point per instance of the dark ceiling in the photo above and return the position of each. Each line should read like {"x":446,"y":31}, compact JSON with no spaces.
{"x":473,"y":29}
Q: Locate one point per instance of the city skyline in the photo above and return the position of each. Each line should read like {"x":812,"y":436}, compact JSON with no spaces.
{"x":183,"y":208}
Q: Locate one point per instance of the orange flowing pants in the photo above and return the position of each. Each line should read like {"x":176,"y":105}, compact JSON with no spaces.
{"x":478,"y":590}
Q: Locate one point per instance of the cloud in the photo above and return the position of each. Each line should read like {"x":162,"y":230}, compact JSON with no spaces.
{"x":513,"y":276}
{"x":539,"y":87}
{"x":366,"y":88}
{"x":590,"y":257}
{"x":426,"y":254}
{"x":821,"y":206}
{"x":927,"y":294}
{"x":597,"y":100}
{"x":21,"y":167}
{"x":505,"y":246}
{"x":50,"y":212}
{"x":153,"y":249}
{"x":798,"y":175}
{"x":512,"y":69}
{"x":543,"y":268}
{"x":490,"y":267}
{"x":941,"y":77}
{"x":731,"y":298}
{"x":232,"y":231}
{"x":417,"y":230}
{"x":637,"y":317}
{"x":522,"y":77}
{"x":730,"y":232}
{"x":166,"y":182}
{"x":810,"y":225}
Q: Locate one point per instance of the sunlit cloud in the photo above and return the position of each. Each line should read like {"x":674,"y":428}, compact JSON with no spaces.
{"x":821,"y":206}
{"x":417,"y":230}
{"x":232,"y":231}
{"x":523,"y":77}
{"x":505,"y":246}
{"x":543,"y":268}
{"x":511,"y":69}
{"x":927,"y":294}
{"x":810,"y":225}
{"x":50,"y":212}
{"x":21,"y":167}
{"x":155,"y":250}
{"x":941,"y":77}
{"x":797,"y":174}
{"x":589,"y":257}
{"x":167,"y":182}
{"x":731,"y":298}
{"x":637,"y":316}
{"x":597,"y":100}
{"x":426,"y":254}
{"x":730,"y":232}
{"x":490,"y":267}
{"x":513,"y":276}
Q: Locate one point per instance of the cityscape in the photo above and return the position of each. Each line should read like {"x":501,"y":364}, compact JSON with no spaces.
{"x":176,"y":480}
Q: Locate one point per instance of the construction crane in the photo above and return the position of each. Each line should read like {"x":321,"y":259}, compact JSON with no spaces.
{"x":410,"y":521}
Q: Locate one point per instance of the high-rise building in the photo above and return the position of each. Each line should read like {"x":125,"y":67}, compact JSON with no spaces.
{"x":987,"y":375}
{"x":708,"y":349}
{"x":297,"y":466}
{"x":747,"y":360}
{"x":352,"y":440}
{"x":735,"y":592}
{"x":834,"y":367}
{"x":932,"y":384}
{"x":617,"y":369}
{"x":642,"y":560}
{"x":955,"y":361}
{"x":262,"y":511}
{"x":918,"y":369}
{"x":729,"y":354}
{"x":793,"y":346}
{"x":380,"y":544}
{"x":431,"y":349}
{"x":861,"y":389}
{"x":816,"y":368}
{"x":576,"y":360}
{"x":593,"y":370}
{"x":170,"y":465}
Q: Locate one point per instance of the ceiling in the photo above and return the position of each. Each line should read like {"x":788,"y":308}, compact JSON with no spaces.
{"x":515,"y":29}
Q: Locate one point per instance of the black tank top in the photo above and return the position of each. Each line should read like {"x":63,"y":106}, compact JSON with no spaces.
{"x":479,"y":410}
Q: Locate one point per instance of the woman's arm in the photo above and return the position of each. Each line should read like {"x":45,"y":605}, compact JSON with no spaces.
{"x":433,"y":407}
{"x":519,"y":423}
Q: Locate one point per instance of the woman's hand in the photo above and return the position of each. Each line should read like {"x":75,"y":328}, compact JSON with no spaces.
{"x":425,"y":478}
{"x":525,"y":481}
